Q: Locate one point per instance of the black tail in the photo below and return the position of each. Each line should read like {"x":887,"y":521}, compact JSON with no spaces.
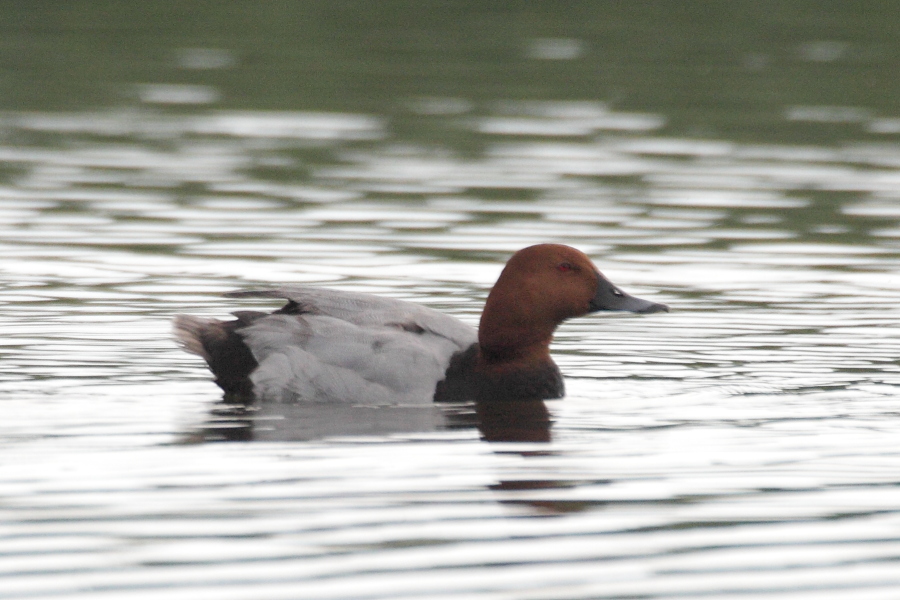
{"x":222,"y":347}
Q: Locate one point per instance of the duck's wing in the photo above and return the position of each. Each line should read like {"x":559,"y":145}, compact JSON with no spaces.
{"x":366,"y":310}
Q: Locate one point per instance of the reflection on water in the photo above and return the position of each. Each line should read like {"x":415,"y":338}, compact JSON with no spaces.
{"x":238,"y":421}
{"x":235,"y":421}
{"x":744,"y":445}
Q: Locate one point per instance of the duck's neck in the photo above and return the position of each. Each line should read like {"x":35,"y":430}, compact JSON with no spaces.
{"x":510,"y":336}
{"x":513,"y":358}
{"x":511,"y":354}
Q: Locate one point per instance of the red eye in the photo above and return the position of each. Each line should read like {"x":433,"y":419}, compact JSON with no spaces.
{"x":564,"y":267}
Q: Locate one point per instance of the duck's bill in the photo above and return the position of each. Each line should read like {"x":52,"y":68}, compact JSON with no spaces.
{"x":610,"y":297}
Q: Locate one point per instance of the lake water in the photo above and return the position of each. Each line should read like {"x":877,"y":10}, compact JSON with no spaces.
{"x":740,"y":164}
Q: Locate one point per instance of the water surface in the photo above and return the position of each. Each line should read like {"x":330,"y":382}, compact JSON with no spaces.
{"x":743,"y":168}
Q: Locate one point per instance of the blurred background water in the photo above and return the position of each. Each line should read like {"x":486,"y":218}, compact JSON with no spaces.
{"x":739,"y":161}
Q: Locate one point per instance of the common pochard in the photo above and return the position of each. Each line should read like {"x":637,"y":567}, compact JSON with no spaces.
{"x":331,"y":345}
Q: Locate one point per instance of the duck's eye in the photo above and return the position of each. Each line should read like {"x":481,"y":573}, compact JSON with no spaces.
{"x":565,"y":267}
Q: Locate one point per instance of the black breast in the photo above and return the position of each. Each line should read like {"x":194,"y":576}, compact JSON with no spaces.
{"x":463,"y":384}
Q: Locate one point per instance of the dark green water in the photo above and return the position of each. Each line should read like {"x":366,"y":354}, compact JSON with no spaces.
{"x":726,"y":70}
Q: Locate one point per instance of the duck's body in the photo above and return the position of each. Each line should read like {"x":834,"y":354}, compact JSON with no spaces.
{"x":329,"y":345}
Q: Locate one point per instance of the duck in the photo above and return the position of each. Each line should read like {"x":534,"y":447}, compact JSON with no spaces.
{"x":328,"y":345}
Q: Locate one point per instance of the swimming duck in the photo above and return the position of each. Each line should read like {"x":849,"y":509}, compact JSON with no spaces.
{"x":332,"y":345}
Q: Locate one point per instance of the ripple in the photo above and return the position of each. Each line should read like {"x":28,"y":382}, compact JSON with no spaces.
{"x":170,"y":93}
{"x":301,"y":125}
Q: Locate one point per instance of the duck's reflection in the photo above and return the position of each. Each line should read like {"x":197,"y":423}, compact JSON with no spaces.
{"x":242,"y":419}
{"x":516,"y":492}
{"x":524,"y":420}
{"x":513,"y":420}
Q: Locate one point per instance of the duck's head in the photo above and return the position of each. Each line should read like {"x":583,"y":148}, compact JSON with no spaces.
{"x":539,"y":288}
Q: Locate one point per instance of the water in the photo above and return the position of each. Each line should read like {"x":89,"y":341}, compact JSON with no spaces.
{"x":744,"y":445}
